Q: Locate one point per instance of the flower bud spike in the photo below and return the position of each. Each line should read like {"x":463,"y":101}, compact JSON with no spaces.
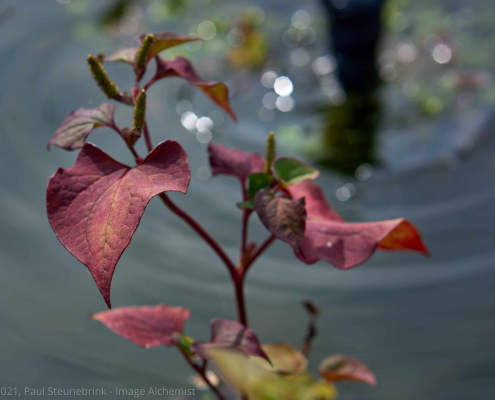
{"x":142,"y":54}
{"x":271,"y":152}
{"x":139,"y":111}
{"x":100,"y":76}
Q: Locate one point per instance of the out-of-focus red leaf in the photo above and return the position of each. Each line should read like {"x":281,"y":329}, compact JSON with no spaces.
{"x":95,"y":206}
{"x":72,"y":133}
{"x":226,"y":161}
{"x":283,"y":217}
{"x":231,"y":334}
{"x":344,"y":368}
{"x":180,"y":67}
{"x":147,"y":326}
{"x":161,"y":41}
{"x":316,"y":202}
{"x":346,"y":245}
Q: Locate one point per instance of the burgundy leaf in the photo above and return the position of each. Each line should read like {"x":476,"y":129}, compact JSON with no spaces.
{"x":344,"y":368}
{"x":73,"y":132}
{"x":180,"y":67}
{"x":346,"y":245}
{"x":226,"y":161}
{"x":95,"y":206}
{"x":230,"y":334}
{"x":147,"y":326}
{"x":283,"y":217}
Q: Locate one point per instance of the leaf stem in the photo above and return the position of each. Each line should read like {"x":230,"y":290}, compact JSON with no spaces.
{"x":244,"y":235}
{"x":240,"y":301}
{"x":201,"y":232}
{"x":202,"y":373}
{"x":147,"y":137}
{"x":258,"y":253}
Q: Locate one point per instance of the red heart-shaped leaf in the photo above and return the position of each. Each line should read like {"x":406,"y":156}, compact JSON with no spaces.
{"x":344,"y":368}
{"x":227,"y":161}
{"x":95,"y":206}
{"x":230,"y":334}
{"x":147,"y":326}
{"x":283,"y":217}
{"x":346,"y":245}
{"x":72,"y":133}
{"x":180,"y":67}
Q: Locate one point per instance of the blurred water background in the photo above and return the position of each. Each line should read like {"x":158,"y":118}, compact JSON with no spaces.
{"x":424,"y":325}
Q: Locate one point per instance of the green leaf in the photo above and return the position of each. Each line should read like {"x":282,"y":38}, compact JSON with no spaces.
{"x":185,"y":343}
{"x":256,"y":182}
{"x":249,"y":205}
{"x":291,"y":171}
{"x":255,"y":381}
{"x":285,"y":358}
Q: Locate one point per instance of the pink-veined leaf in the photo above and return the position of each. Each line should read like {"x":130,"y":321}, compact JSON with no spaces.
{"x":346,"y":245}
{"x":227,"y":161}
{"x":147,"y":326}
{"x":344,"y":368}
{"x":230,"y":334}
{"x":95,"y":206}
{"x":180,"y":67}
{"x":74,"y":130}
{"x":161,"y":41}
{"x":283,"y":217}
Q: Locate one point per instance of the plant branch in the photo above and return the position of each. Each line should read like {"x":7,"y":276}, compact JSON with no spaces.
{"x":201,"y":232}
{"x":244,"y":235}
{"x":258,"y":253}
{"x":147,"y":137}
{"x":240,"y":301}
{"x":202,"y":373}
{"x":131,"y":148}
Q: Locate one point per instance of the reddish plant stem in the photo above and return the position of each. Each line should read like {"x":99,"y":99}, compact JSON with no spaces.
{"x":131,"y":148}
{"x":258,"y":253}
{"x":147,"y":137}
{"x":202,"y":373}
{"x":244,"y":235}
{"x":241,"y":303}
{"x":201,"y":232}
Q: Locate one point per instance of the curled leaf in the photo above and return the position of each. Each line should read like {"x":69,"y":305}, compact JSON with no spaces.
{"x":291,"y":171}
{"x":165,"y":40}
{"x":161,"y":41}
{"x":147,"y":326}
{"x":72,"y":133}
{"x":95,"y":206}
{"x":346,"y":245}
{"x":180,"y":67}
{"x":285,"y":358}
{"x":344,"y":368}
{"x":283,"y":217}
{"x":230,"y":334}
{"x":226,"y":161}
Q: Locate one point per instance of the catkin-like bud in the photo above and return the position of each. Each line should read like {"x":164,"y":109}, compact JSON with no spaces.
{"x":102,"y":79}
{"x":139,"y":111}
{"x":142,"y":54}
{"x":271,"y":152}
